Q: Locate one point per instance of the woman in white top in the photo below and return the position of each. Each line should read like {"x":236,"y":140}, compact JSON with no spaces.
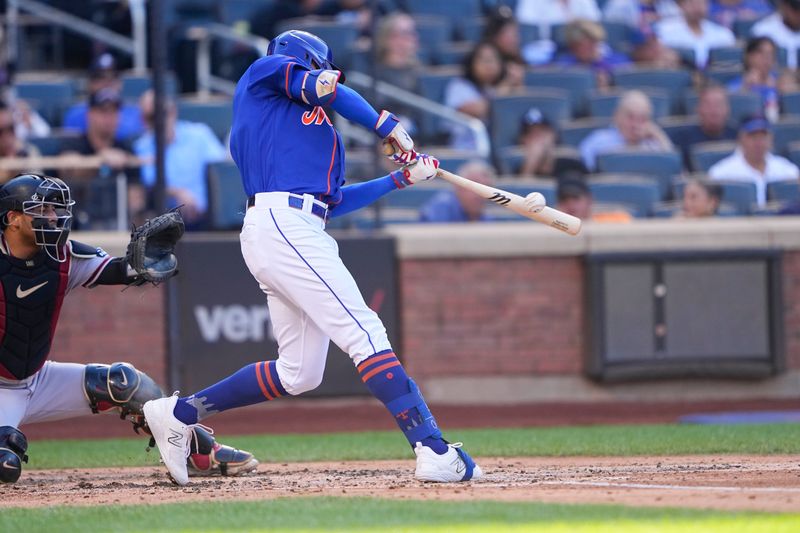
{"x":545,"y":13}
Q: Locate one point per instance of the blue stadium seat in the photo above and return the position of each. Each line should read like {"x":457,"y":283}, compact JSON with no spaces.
{"x":415,"y":197}
{"x":785,"y":131}
{"x":238,"y":11}
{"x":133,"y":85}
{"x":676,"y":126}
{"x":340,"y":36}
{"x":663,"y":166}
{"x":432,"y":84}
{"x":604,"y":103}
{"x":787,"y":190}
{"x":507,"y":111}
{"x":450,"y":8}
{"x":666,"y":209}
{"x":636,"y":192}
{"x":723,"y":75}
{"x":618,"y":35}
{"x":742,"y":104}
{"x":578,"y":82}
{"x":434,"y":32}
{"x":50,"y":98}
{"x":790,"y":103}
{"x":218,"y":115}
{"x":226,"y":196}
{"x":574,"y":131}
{"x":472,"y":29}
{"x":793,"y":150}
{"x":742,"y":28}
{"x":706,"y":155}
{"x":54,"y":144}
{"x":674,"y":82}
{"x":453,"y":53}
{"x":728,"y":55}
{"x":529,"y":33}
{"x":738,"y":197}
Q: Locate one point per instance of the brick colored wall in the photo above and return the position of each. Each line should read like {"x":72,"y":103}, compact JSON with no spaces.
{"x":466,"y":317}
{"x":105,"y":325}
{"x":791,"y":308}
{"x":492,"y":316}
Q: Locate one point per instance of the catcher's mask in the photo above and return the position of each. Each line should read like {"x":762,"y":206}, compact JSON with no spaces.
{"x":49,"y":204}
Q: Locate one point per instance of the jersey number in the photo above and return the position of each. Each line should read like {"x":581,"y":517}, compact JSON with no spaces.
{"x":316,"y":116}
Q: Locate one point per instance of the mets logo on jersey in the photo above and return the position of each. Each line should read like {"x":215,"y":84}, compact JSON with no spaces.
{"x":316,"y":116}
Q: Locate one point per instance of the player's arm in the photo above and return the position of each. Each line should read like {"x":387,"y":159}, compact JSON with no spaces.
{"x":116,"y":272}
{"x":359,"y":195}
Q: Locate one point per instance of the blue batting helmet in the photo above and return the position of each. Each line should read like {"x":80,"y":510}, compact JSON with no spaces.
{"x":311,"y":51}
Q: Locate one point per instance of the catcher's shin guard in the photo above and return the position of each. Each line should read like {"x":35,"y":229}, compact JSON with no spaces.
{"x":120,"y":386}
{"x":13,"y":446}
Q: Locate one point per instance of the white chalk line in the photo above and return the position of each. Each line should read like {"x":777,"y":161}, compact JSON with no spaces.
{"x":606,"y":484}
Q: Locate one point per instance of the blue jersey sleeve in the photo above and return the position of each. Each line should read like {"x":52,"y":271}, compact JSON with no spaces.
{"x":359,"y":195}
{"x":273,"y":74}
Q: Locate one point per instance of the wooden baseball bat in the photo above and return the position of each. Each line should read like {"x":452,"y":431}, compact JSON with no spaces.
{"x":552,"y":217}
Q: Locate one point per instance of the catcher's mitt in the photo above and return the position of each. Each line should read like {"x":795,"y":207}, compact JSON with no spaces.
{"x":150,"y":251}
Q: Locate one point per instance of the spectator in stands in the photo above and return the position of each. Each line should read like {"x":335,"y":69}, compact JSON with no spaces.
{"x":397,"y":61}
{"x":546,"y":13}
{"x":484,"y":77}
{"x":752,"y":161}
{"x":502,"y":30}
{"x":266,"y":21}
{"x":692,"y":30}
{"x":633,"y":129}
{"x":700,"y":199}
{"x":99,"y":138}
{"x":648,"y":51}
{"x":726,"y":12}
{"x":713,"y":115}
{"x":783,"y":27}
{"x":587,"y":48}
{"x":190,"y":147}
{"x":460,"y":204}
{"x":103,"y":74}
{"x":575,"y":198}
{"x":542,"y":157}
{"x":760,"y":77}
{"x":640,"y":14}
{"x":11,"y":146}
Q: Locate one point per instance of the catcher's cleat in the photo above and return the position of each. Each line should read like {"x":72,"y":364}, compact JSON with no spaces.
{"x":452,"y":466}
{"x":172,"y":436}
{"x":222,"y":461}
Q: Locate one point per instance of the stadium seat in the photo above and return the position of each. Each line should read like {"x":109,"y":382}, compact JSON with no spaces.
{"x":55,"y":142}
{"x":453,"y":53}
{"x":529,"y":33}
{"x":50,"y":98}
{"x":574,"y":131}
{"x":676,"y":126}
{"x":742,"y":104}
{"x":785,"y":131}
{"x":414,"y":197}
{"x":340,"y":36}
{"x":738,"y":197}
{"x":636,"y":192}
{"x":471,"y":29}
{"x":226,"y":196}
{"x":434,"y":33}
{"x":217,"y":114}
{"x":241,"y":11}
{"x":133,"y":85}
{"x":506,"y":113}
{"x":790,"y":103}
{"x":786,"y":190}
{"x":730,"y":56}
{"x":450,"y":8}
{"x":604,"y":103}
{"x":510,"y":158}
{"x":666,"y":209}
{"x":706,"y":155}
{"x":793,"y":150}
{"x":723,"y":75}
{"x":576,"y":81}
{"x":662,"y":166}
{"x":618,"y":35}
{"x":674,"y":82}
{"x":451,"y":159}
{"x":742,"y":27}
{"x":432,"y":84}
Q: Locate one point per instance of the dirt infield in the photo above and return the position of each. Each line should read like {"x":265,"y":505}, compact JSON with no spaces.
{"x":756,"y":483}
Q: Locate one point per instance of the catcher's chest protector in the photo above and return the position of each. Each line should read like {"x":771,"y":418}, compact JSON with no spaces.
{"x":31,"y":293}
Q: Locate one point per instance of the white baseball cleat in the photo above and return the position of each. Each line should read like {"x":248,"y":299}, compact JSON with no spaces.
{"x":452,"y":466}
{"x":172,"y":436}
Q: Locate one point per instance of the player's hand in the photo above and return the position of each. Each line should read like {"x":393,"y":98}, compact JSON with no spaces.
{"x":397,"y":143}
{"x":423,"y":168}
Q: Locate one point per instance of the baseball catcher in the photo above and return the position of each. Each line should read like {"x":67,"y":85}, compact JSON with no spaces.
{"x":291,"y":159}
{"x":39,"y":266}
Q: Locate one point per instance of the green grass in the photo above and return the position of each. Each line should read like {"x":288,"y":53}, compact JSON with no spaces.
{"x":566,"y":441}
{"x":363,"y":514}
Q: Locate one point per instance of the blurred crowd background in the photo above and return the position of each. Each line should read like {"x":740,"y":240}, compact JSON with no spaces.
{"x":614,"y":109}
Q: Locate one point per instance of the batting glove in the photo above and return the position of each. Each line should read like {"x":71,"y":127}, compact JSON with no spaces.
{"x":398,"y":145}
{"x":423,"y":168}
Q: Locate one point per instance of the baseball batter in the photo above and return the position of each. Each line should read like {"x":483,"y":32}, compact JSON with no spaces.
{"x":291,"y":159}
{"x":39,"y":266}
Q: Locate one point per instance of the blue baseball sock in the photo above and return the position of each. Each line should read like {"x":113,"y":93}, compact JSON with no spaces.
{"x":387,"y":381}
{"x":254,"y":383}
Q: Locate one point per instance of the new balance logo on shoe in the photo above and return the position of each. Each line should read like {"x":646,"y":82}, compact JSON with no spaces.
{"x":460,"y":465}
{"x":175,"y":438}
